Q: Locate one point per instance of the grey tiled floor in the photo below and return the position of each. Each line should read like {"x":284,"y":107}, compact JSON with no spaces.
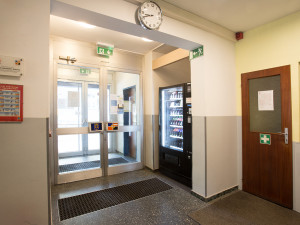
{"x":169,"y":207}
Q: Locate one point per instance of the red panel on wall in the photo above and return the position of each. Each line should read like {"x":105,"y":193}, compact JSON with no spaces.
{"x":11,"y":103}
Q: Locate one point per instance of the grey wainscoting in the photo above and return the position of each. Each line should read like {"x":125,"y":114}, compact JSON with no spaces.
{"x":148,"y":141}
{"x":296,"y":175}
{"x":199,"y":155}
{"x":215,"y":163}
{"x":24,"y":173}
{"x":221,"y":136}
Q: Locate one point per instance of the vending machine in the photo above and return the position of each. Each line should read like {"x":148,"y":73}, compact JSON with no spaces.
{"x":175,"y":132}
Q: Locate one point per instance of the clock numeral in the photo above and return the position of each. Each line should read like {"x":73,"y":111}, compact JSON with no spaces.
{"x":152,"y":5}
{"x":149,"y":25}
{"x":143,"y":12}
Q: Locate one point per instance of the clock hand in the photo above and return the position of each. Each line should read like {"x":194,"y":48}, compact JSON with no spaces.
{"x":146,"y":15}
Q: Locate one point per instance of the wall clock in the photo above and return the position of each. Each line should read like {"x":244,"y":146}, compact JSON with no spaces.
{"x":150,"y":15}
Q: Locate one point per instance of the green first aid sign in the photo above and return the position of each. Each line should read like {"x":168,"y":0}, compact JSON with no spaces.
{"x":265,"y":139}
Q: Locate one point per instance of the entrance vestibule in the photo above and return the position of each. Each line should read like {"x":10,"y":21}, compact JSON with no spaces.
{"x":96,"y":97}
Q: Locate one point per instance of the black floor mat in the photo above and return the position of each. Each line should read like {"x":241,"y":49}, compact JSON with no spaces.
{"x":90,"y":202}
{"x":89,"y":165}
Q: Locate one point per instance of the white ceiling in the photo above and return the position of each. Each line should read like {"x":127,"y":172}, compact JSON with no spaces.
{"x":70,"y":29}
{"x":235,"y":15}
{"x":239,"y":15}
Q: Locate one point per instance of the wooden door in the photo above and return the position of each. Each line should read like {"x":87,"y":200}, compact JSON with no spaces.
{"x":266,"y":113}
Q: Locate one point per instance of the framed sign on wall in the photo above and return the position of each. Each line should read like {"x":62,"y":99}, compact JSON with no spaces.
{"x":11,"y":103}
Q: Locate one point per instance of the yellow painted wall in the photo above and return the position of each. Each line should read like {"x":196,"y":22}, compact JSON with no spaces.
{"x":272,"y":45}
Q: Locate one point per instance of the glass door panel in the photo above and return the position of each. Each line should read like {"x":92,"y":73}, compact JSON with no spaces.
{"x":68,"y":144}
{"x":121,"y":152}
{"x":262,"y":118}
{"x":78,"y":102}
{"x":69,"y":104}
{"x":75,"y":155}
{"x":123,"y":96}
{"x":93,"y":103}
{"x":172,"y":118}
{"x":123,"y":107}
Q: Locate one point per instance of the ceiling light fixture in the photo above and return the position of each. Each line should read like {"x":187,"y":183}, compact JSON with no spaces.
{"x":146,"y":39}
{"x":86,"y":25}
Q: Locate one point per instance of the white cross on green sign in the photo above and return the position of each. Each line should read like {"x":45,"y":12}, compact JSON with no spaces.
{"x":265,"y":139}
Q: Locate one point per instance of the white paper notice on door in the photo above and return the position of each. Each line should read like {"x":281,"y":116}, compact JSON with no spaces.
{"x":113,"y":104}
{"x":265,"y":100}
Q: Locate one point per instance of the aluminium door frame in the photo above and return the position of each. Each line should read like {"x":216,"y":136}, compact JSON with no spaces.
{"x":103,"y":170}
{"x":76,"y":175}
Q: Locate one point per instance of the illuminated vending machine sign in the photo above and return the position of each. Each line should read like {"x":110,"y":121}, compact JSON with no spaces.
{"x":112,"y":126}
{"x":11,"y":103}
{"x":95,"y":127}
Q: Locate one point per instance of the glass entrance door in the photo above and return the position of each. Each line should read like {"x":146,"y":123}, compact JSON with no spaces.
{"x":82,"y":98}
{"x":124,"y":147}
{"x":77,"y":104}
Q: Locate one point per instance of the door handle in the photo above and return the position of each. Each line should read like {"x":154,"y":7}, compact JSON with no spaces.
{"x":286,"y":135}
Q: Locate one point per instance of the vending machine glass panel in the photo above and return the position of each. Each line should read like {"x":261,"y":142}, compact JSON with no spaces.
{"x":172,"y":118}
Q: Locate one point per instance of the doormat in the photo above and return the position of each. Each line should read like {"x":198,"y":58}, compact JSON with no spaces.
{"x":243,"y":208}
{"x":90,"y":202}
{"x":89,"y":165}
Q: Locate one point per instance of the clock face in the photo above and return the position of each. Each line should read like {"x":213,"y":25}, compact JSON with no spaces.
{"x":150,"y":15}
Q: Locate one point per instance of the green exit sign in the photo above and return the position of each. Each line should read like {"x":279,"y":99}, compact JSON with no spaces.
{"x":105,"y":51}
{"x":265,"y":139}
{"x":196,"y":53}
{"x":85,"y":71}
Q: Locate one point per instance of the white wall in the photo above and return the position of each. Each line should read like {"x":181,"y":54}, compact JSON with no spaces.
{"x":148,"y":110}
{"x":23,"y":163}
{"x":272,"y":45}
{"x":85,"y":53}
{"x":19,"y":21}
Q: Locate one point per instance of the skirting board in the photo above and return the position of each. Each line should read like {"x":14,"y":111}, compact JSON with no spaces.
{"x":216,"y":195}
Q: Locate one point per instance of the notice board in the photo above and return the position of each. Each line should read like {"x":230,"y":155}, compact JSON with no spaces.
{"x":11,"y":103}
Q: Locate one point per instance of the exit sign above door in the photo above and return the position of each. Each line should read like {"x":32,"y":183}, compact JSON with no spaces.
{"x":85,"y":71}
{"x":105,"y":51}
{"x":196,"y":53}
